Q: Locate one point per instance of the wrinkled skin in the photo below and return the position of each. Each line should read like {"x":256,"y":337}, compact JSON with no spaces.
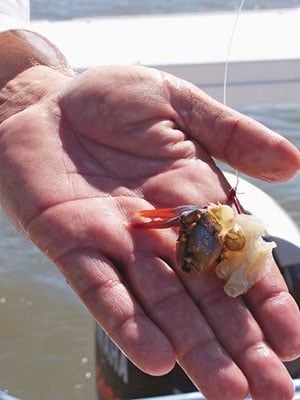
{"x":80,"y":158}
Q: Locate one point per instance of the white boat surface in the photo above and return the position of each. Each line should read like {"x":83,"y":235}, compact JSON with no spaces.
{"x":199,"y":396}
{"x":264,"y":57}
{"x":181,"y":396}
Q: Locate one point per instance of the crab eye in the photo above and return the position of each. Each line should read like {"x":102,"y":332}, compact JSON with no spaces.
{"x":235,"y":240}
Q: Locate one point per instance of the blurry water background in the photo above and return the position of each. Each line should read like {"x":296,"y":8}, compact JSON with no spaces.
{"x":46,"y":335}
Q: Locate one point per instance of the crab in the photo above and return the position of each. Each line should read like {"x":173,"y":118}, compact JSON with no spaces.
{"x":215,"y":236}
{"x":204,"y":233}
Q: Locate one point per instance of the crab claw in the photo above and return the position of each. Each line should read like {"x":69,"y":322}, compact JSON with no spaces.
{"x":157,"y":219}
{"x":162,"y":217}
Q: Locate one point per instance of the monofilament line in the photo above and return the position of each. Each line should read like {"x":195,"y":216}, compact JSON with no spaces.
{"x":226,"y":67}
{"x":229,"y":49}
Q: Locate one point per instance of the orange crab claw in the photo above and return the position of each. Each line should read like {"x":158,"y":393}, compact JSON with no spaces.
{"x":160,"y":213}
{"x":162,"y":217}
{"x":159,"y":219}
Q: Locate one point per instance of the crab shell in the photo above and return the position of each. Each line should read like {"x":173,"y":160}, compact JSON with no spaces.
{"x":198,"y":245}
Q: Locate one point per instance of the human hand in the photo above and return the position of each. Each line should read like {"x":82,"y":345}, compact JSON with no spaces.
{"x":79,"y":162}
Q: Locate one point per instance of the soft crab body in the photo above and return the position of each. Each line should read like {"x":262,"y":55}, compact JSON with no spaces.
{"x":204,"y":233}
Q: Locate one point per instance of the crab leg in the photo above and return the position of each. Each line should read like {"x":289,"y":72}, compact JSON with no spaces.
{"x":233,"y":197}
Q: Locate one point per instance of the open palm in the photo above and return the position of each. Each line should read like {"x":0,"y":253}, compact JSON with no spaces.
{"x":76,"y":167}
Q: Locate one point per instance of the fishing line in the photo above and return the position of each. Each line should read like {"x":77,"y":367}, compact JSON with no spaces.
{"x":226,"y":68}
{"x":229,"y":49}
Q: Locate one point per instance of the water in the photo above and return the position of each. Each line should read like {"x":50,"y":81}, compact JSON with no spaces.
{"x":46,"y":336}
{"x":62,"y":9}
